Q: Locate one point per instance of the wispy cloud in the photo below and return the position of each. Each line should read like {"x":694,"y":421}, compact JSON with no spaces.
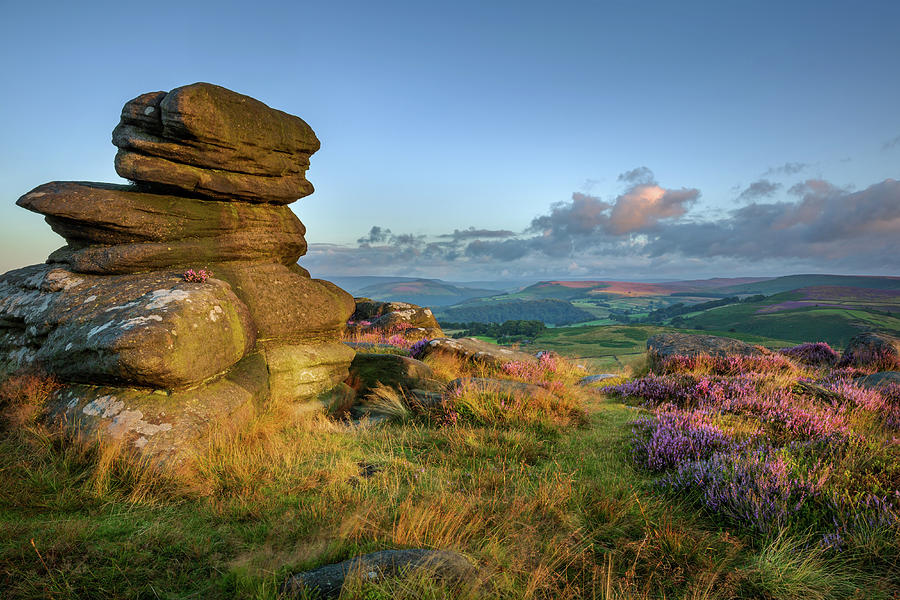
{"x":788,"y":168}
{"x":762,"y":188}
{"x":891,"y":143}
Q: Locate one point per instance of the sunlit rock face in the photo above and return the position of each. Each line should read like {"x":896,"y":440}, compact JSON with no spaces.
{"x":147,"y":354}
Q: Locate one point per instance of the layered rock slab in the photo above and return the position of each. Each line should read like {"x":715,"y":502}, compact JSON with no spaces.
{"x":113,"y":229}
{"x":286,"y":304}
{"x":211,"y":141}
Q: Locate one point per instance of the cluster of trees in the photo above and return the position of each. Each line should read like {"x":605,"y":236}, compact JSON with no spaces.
{"x":506,"y":332}
{"x":551,"y":311}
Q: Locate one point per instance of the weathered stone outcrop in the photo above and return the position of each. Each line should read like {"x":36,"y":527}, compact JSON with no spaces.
{"x":149,"y":355}
{"x":881,"y":380}
{"x":394,"y":318}
{"x":664,"y":345}
{"x":152,"y":330}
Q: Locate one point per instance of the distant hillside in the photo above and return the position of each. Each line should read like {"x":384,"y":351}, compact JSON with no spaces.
{"x":424,"y":292}
{"x":796,"y":282}
{"x":551,"y":311}
{"x":570,"y":290}
{"x":830,"y":314}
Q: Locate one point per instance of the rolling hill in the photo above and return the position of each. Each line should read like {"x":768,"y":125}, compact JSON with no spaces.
{"x":424,"y":292}
{"x":796,"y":282}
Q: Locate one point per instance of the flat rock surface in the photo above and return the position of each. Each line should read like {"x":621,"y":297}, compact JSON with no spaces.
{"x":208,"y":140}
{"x":328,"y":581}
{"x":475,"y":350}
{"x":152,"y":330}
{"x":662,"y":346}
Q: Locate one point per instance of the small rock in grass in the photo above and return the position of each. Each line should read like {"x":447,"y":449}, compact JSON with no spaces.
{"x":328,"y":581}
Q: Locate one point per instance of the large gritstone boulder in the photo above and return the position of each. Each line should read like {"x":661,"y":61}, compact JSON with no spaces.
{"x":177,"y":303}
{"x":873,"y":350}
{"x":409,"y":321}
{"x":666,"y":345}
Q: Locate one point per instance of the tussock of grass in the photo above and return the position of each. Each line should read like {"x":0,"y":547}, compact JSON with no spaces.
{"x":388,"y":402}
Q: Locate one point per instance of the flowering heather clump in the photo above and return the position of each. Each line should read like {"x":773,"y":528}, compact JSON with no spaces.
{"x":418,"y":348}
{"x":551,"y":372}
{"x":883,"y":402}
{"x":361,"y":332}
{"x":684,"y":390}
{"x":671,"y":437}
{"x":198,"y":276}
{"x":760,"y":489}
{"x":818,"y":353}
{"x":726,"y":365}
{"x":872,"y":361}
{"x":773,"y":449}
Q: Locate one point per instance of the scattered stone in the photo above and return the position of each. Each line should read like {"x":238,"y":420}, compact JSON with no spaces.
{"x":328,"y":581}
{"x":367,"y":470}
{"x":475,"y":351}
{"x":664,"y":345}
{"x":872,"y":349}
{"x":145,"y":355}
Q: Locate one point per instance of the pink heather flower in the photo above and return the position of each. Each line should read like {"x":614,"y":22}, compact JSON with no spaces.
{"x":198,"y":276}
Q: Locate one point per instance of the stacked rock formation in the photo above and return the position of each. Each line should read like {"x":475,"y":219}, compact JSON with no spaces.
{"x":145,"y":354}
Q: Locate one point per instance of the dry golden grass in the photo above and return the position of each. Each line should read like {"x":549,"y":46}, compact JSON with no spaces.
{"x":540,"y":495}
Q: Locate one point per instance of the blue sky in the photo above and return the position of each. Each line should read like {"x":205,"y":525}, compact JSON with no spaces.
{"x":769,"y":131}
